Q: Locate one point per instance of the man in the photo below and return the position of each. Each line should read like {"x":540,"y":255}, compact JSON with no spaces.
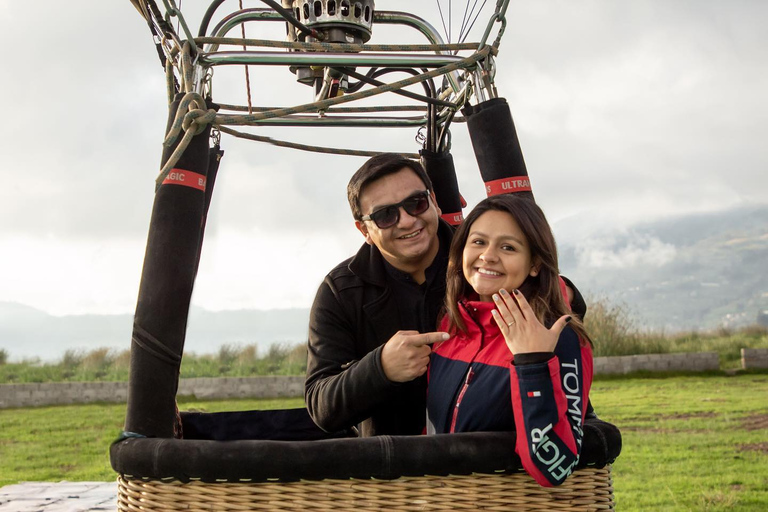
{"x":374,"y":315}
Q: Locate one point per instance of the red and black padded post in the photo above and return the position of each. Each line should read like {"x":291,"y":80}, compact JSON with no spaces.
{"x":170,"y":264}
{"x":497,"y":148}
{"x":442,"y":173}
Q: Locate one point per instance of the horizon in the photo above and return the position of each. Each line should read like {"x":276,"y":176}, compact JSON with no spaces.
{"x":645,"y":270}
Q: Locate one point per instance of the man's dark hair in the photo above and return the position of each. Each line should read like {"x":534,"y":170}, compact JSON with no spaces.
{"x":376,"y":168}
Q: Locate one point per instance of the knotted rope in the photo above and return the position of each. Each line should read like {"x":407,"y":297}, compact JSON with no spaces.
{"x":193,"y":114}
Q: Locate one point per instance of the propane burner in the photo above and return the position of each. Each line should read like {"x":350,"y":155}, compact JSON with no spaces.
{"x":340,"y":21}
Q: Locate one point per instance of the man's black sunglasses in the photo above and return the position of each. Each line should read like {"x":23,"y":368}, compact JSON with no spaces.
{"x":388,"y":216}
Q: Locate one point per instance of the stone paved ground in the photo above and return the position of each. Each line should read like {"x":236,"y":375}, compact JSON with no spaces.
{"x":59,"y":497}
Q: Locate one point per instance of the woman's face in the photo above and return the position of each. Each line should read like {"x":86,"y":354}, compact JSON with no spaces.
{"x":496,"y":255}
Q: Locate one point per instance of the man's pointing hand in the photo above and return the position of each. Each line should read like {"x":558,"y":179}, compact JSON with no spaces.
{"x":406,"y":355}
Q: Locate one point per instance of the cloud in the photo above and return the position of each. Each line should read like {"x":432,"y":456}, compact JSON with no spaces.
{"x":262,"y":269}
{"x":635,"y":111}
{"x":645,"y":101}
{"x":62,"y":276}
{"x":632,"y":250}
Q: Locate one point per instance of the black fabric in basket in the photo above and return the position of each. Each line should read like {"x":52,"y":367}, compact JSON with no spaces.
{"x":276,"y":425}
{"x":384,"y":457}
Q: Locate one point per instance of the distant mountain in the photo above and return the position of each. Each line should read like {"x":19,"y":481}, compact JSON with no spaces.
{"x":689,"y":272}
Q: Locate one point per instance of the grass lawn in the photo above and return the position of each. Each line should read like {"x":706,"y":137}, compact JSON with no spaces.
{"x":690,"y":442}
{"x":71,"y":442}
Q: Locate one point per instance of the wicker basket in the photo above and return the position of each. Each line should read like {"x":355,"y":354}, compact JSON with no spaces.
{"x":586,"y":489}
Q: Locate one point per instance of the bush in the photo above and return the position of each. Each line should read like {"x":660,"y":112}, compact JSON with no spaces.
{"x":71,"y":360}
{"x":97,"y":360}
{"x":614,"y":332}
{"x":755,"y":331}
{"x":610,"y":328}
{"x":122,"y":361}
{"x":227,"y":357}
{"x":298,"y":357}
{"x":248,"y":356}
{"x":3,"y":356}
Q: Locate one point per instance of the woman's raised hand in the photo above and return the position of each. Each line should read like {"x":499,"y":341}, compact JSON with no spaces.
{"x":521,"y":329}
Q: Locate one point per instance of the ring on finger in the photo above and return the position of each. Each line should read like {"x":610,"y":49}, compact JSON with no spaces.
{"x":510,"y":324}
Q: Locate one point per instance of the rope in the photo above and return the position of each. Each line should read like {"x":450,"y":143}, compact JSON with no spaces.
{"x":247,"y":75}
{"x":187,"y":70}
{"x":288,"y":16}
{"x":338,"y":47}
{"x":305,"y":147}
{"x":427,"y":99}
{"x":180,"y":122}
{"x":324,"y":104}
{"x":337,"y":110}
{"x":187,"y":115}
{"x":170,"y":81}
{"x":192,"y":120}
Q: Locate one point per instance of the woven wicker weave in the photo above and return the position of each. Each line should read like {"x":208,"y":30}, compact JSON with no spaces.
{"x":586,"y":489}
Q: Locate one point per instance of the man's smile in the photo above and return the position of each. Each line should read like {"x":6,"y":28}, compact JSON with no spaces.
{"x":410,"y":235}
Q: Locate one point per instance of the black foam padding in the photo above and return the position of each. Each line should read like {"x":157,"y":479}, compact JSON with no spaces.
{"x":497,"y":147}
{"x":385,"y":457}
{"x":442,"y":173}
{"x":167,"y":279}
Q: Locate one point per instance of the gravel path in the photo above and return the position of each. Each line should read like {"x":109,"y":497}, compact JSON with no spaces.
{"x":59,"y":497}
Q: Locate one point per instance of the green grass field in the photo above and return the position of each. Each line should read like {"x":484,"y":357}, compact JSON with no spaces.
{"x":690,"y":442}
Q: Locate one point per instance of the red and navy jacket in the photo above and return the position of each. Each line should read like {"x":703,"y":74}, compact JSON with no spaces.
{"x":474,"y":385}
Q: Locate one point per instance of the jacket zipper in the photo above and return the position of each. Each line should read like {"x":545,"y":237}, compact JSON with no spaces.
{"x":467,"y":380}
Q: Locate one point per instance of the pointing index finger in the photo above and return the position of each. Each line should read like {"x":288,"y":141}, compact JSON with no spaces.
{"x":428,"y":338}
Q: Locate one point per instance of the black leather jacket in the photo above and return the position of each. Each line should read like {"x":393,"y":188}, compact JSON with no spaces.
{"x":354,"y":314}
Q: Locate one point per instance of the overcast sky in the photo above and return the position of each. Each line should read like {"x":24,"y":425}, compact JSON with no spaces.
{"x":625,"y":111}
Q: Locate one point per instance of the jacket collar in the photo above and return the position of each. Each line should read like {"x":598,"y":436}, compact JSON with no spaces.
{"x":477,"y":316}
{"x":368,"y":263}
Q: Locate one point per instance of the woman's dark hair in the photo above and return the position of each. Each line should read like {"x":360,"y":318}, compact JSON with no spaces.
{"x":542,"y":290}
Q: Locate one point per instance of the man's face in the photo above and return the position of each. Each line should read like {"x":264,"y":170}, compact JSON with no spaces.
{"x":411,"y":244}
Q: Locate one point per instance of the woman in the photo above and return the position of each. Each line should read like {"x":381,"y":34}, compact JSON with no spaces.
{"x":516,"y":359}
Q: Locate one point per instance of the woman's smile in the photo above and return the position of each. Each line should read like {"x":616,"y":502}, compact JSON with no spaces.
{"x":496,"y":255}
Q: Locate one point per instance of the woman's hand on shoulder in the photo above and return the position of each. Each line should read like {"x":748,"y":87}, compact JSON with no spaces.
{"x":521,"y":329}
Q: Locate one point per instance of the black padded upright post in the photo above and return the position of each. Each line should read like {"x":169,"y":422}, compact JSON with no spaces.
{"x":497,"y":148}
{"x":170,"y":265}
{"x":442,"y":173}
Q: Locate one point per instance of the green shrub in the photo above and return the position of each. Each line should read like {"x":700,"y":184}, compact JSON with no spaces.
{"x":3,"y":356}
{"x":97,"y":360}
{"x":227,"y":356}
{"x":122,"y":361}
{"x":71,"y":359}
{"x":298,"y":357}
{"x":248,"y":356}
{"x":614,"y":332}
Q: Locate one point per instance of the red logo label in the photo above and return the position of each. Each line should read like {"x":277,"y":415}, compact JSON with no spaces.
{"x":454,"y":219}
{"x":507,"y":185}
{"x":185,"y":178}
